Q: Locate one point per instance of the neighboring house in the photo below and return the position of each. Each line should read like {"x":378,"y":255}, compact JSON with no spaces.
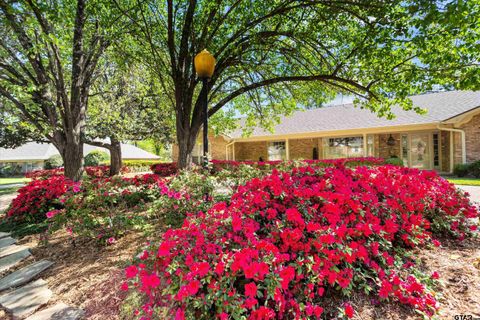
{"x":448,"y":134}
{"x":32,"y":155}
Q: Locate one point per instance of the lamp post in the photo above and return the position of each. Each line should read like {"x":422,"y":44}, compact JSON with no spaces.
{"x":204,"y":67}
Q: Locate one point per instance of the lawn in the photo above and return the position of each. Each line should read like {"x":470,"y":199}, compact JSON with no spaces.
{"x":465,"y":181}
{"x":8,"y":190}
{"x":4,"y":181}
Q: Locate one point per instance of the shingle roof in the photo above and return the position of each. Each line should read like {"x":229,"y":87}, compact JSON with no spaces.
{"x":29,"y":151}
{"x":43,"y":151}
{"x":440,"y":106}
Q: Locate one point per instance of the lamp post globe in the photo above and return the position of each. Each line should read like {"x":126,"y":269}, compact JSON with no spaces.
{"x":204,"y":63}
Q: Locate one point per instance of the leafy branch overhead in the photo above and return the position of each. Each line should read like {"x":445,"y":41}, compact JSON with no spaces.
{"x":273,"y":56}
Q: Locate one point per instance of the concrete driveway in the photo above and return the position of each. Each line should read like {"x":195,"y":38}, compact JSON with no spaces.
{"x":474,"y":192}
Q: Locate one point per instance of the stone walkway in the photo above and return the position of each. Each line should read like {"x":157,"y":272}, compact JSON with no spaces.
{"x":22,"y":293}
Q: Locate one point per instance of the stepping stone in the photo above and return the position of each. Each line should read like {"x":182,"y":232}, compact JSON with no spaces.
{"x":4,"y":234}
{"x":58,"y":312}
{"x":11,"y":260}
{"x":5,"y":251}
{"x":25,"y":300}
{"x":5,"y":242}
{"x":24,"y":275}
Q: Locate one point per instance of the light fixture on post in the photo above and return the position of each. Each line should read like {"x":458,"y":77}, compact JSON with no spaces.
{"x":391,"y":141}
{"x":204,"y":67}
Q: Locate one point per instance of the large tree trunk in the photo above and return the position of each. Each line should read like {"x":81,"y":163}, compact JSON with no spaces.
{"x":73,"y":159}
{"x":115,"y":157}
{"x":184,"y":154}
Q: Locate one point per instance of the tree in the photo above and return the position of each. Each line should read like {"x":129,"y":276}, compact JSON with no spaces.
{"x":13,"y":131}
{"x":48,"y":55}
{"x":126,"y":104}
{"x":273,"y":55}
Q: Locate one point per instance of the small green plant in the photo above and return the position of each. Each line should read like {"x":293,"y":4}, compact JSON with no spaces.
{"x":474,"y":169}
{"x":53,"y":162}
{"x":461,"y":169}
{"x":394,"y":161}
{"x":96,"y":157}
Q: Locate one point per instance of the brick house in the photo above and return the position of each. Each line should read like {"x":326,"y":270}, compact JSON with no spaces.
{"x":448,"y":134}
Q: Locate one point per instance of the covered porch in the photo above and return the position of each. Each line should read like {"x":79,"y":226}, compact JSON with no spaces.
{"x":426,"y":147}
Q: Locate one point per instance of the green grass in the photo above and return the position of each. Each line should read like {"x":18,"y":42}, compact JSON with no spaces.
{"x":13,"y":180}
{"x":464,"y":181}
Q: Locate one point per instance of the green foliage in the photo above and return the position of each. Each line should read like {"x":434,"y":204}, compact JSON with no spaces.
{"x":395,"y":161}
{"x":10,"y":170}
{"x":195,"y":192}
{"x":96,"y":157}
{"x":461,"y":169}
{"x":475,"y":169}
{"x":156,"y":147}
{"x":105,"y":210}
{"x":139,"y":165}
{"x":53,"y":162}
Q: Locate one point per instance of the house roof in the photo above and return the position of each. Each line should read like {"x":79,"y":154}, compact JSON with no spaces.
{"x":440,"y":106}
{"x":43,"y":151}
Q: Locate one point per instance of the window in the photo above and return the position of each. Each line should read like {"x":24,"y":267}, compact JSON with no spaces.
{"x":347,"y":147}
{"x":370,"y":146}
{"x":276,"y":150}
{"x":405,"y":149}
{"x":436,"y":153}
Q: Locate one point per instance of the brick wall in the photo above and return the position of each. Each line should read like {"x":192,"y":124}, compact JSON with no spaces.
{"x":472,"y":139}
{"x":216,"y":146}
{"x":302,"y":148}
{"x":386,"y":151}
{"x":251,"y":151}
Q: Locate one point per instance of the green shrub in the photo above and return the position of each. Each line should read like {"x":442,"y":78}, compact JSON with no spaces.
{"x":394,"y":161}
{"x":474,"y":169}
{"x":10,"y":170}
{"x":461,"y":169}
{"x":53,"y":162}
{"x":96,"y":157}
{"x":140,"y":165}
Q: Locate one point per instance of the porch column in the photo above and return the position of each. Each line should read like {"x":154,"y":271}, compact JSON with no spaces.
{"x":365,"y":151}
{"x":233,"y":154}
{"x":287,"y":149}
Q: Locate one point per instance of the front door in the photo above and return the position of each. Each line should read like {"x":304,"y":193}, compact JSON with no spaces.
{"x":420,"y":156}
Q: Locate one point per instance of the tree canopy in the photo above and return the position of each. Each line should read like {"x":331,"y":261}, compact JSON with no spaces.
{"x":273,"y":56}
{"x":48,"y":56}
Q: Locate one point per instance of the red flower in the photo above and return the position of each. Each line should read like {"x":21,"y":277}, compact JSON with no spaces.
{"x":131,"y":272}
{"x":349,"y":310}
{"x":251,"y":290}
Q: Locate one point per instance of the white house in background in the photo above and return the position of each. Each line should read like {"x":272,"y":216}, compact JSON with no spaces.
{"x":32,"y":155}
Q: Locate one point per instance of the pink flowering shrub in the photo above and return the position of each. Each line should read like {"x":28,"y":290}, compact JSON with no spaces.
{"x":44,"y":174}
{"x":102,"y":171}
{"x":93,"y":172}
{"x":289,"y":242}
{"x":219,"y":165}
{"x":165,"y":169}
{"x":38,"y":197}
{"x":106,"y":208}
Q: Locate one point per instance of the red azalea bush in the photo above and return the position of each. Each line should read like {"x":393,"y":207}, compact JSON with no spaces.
{"x":38,"y":197}
{"x":93,"y":172}
{"x":219,"y":165}
{"x":44,"y":174}
{"x":290,"y":241}
{"x":165,"y":169}
{"x":102,"y":171}
{"x":106,"y":208}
